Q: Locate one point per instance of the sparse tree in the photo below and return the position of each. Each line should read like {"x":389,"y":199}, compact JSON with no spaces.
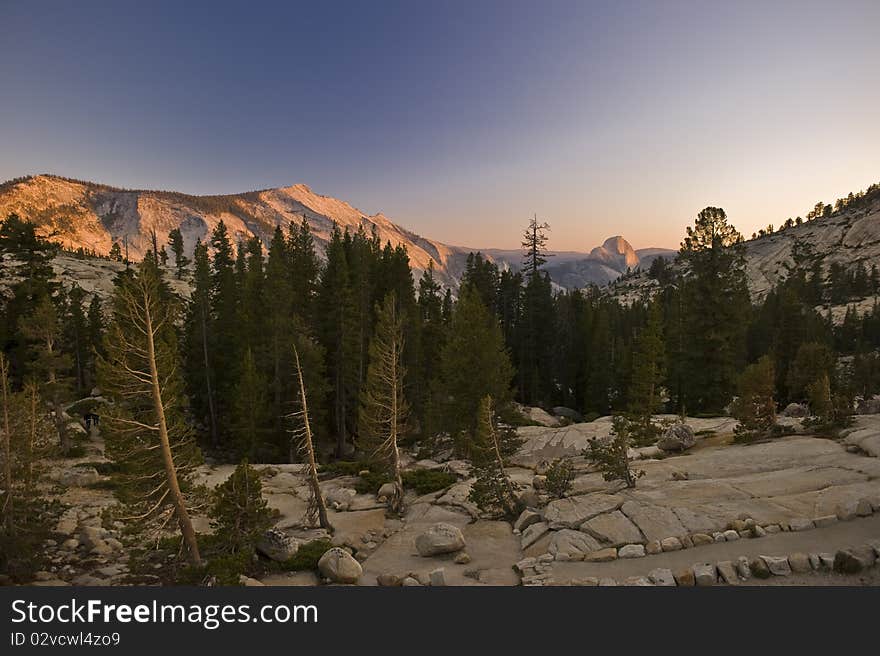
{"x":140,"y":372}
{"x":383,"y":409}
{"x":492,"y":490}
{"x":611,"y":456}
{"x":175,"y":239}
{"x":755,"y":406}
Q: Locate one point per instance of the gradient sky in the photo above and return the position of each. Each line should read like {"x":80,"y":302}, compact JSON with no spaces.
{"x":457,"y":119}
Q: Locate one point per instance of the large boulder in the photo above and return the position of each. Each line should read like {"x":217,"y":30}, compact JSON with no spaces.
{"x":339,"y":566}
{"x":568,"y":413}
{"x":277,"y":545}
{"x":677,"y":437}
{"x":613,"y":529}
{"x":795,"y":410}
{"x":440,"y":538}
{"x":541,"y":416}
{"x":568,"y":544}
{"x":340,"y":498}
{"x":79,"y":476}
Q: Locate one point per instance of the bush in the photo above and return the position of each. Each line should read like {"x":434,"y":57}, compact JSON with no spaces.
{"x":344,"y":467}
{"x":560,"y":476}
{"x":370,"y":482}
{"x":307,"y":556}
{"x":425,"y":481}
{"x":239,"y":514}
{"x":611,"y":456}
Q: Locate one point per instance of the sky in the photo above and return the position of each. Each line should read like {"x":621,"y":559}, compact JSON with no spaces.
{"x":458,"y":120}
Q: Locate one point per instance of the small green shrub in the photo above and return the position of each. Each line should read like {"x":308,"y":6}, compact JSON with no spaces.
{"x":371,"y":482}
{"x":344,"y":467}
{"x":560,"y":476}
{"x":307,"y":556}
{"x":425,"y":481}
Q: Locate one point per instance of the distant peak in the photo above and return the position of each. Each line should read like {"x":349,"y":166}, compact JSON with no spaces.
{"x":617,"y":244}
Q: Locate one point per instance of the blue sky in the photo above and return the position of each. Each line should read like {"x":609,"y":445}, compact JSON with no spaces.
{"x":457,"y":119}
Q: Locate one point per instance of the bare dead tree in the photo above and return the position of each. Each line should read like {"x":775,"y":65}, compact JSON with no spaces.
{"x":301,"y":440}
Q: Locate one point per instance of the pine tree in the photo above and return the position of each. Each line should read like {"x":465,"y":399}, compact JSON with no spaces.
{"x":611,"y":456}
{"x":384,"y":409}
{"x":648,"y":371}
{"x":249,"y":409}
{"x":304,"y":270}
{"x":8,"y":484}
{"x":148,"y":433}
{"x":755,"y":406}
{"x":225,"y":278}
{"x":716,"y":309}
{"x":239,"y":513}
{"x":473,"y":364}
{"x":76,"y":339}
{"x":339,"y":335}
{"x":43,"y":328}
{"x":492,"y":490}
{"x":175,"y":239}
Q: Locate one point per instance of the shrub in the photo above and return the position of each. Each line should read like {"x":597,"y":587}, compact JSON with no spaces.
{"x":307,"y":556}
{"x":611,"y":456}
{"x":425,"y":481}
{"x":239,"y":514}
{"x":560,"y":476}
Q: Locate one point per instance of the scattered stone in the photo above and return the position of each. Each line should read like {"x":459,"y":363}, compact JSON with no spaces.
{"x":339,"y":566}
{"x":718,"y":536}
{"x":678,"y":437}
{"x":686,"y":542}
{"x":525,"y":563}
{"x":637,"y":581}
{"x":772,"y":528}
{"x":462,"y":558}
{"x":759,"y":568}
{"x":815,"y":561}
{"x":743,"y":569}
{"x":685,"y":578}
{"x":662,"y":577}
{"x":796,"y":410}
{"x":79,"y":477}
{"x":705,"y":574}
{"x":679,"y":475}
{"x":248,"y":582}
{"x":539,"y":482}
{"x":277,"y":545}
{"x":728,"y":572}
{"x":799,"y":563}
{"x":759,"y":531}
{"x":387,"y":491}
{"x":601,"y":556}
{"x":671,"y":544}
{"x":389,"y":580}
{"x":438,"y":577}
{"x":731,"y":535}
{"x":631,"y":551}
{"x":826,"y":560}
{"x":440,"y":538}
{"x":409,"y":582}
{"x":800,"y":524}
{"x":854,"y":560}
{"x":70,"y":544}
{"x":778,"y":565}
{"x":340,"y":498}
{"x":700,"y":539}
{"x":653,"y":547}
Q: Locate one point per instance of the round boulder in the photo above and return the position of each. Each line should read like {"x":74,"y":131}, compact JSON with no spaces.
{"x":677,"y":437}
{"x":439,"y":539}
{"x":339,"y":566}
{"x":277,"y":545}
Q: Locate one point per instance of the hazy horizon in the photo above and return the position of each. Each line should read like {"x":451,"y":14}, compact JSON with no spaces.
{"x":458,"y":121}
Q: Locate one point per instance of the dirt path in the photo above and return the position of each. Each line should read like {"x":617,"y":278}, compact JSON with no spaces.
{"x":830,"y":539}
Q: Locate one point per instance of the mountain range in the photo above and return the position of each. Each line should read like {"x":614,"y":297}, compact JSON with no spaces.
{"x":93,"y":216}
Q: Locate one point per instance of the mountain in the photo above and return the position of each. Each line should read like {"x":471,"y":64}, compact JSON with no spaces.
{"x":602,"y":265}
{"x":849,"y":237}
{"x":94,"y":216}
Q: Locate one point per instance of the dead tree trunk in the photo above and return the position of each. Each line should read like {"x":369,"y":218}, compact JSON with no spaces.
{"x":307,"y":446}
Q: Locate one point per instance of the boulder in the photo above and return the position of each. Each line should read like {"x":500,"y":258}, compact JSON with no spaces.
{"x":868,"y":406}
{"x":389,"y":581}
{"x":574,"y":511}
{"x":759,"y":569}
{"x":541,"y":416}
{"x":387,"y":491}
{"x":662,"y":577}
{"x":705,"y":574}
{"x":631,"y":551}
{"x":568,"y":413}
{"x":778,"y":565}
{"x":277,"y":545}
{"x":700,"y":539}
{"x":613,"y":529}
{"x":340,"y":498}
{"x":569,"y":544}
{"x":800,"y":524}
{"x":854,"y":560}
{"x":461,"y":558}
{"x":438,"y":577}
{"x":671,"y":544}
{"x":728,"y":572}
{"x":799,"y":563}
{"x":440,"y":538}
{"x":339,"y":566}
{"x":795,"y":410}
{"x":533,"y":533}
{"x":79,"y":476}
{"x":602,"y":556}
{"x":678,"y":437}
{"x":685,"y":578}
{"x":526,"y":519}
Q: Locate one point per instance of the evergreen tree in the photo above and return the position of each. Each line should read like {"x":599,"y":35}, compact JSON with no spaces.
{"x":250,"y":411}
{"x":755,"y":407}
{"x":175,"y":239}
{"x":648,"y":371}
{"x":611,"y":456}
{"x":473,"y":364}
{"x":492,"y":490}
{"x":384,"y":409}
{"x":239,"y":513}
{"x":147,"y":431}
{"x":716,"y":309}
